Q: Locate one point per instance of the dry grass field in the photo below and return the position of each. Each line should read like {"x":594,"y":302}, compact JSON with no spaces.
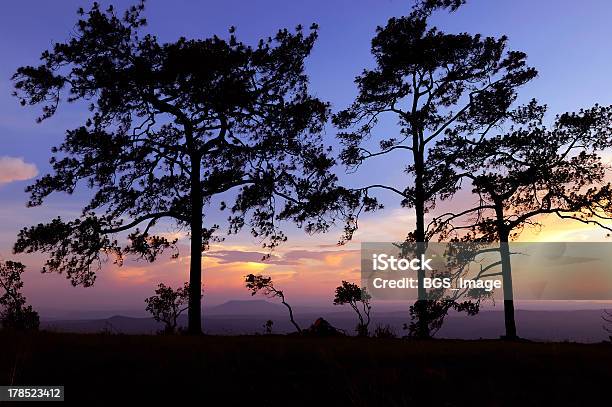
{"x":286,"y":370}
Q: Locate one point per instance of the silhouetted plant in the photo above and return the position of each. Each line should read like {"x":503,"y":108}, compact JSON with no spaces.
{"x":14,"y":313}
{"x":359,"y":300}
{"x":322,"y":328}
{"x":172,"y":126}
{"x":607,"y":317}
{"x":168,"y":304}
{"x":109,"y":329}
{"x":429,"y":315}
{"x":384,"y":332}
{"x":268,"y":327}
{"x":264,"y":285}
{"x":530,"y":171}
{"x":435,"y":85}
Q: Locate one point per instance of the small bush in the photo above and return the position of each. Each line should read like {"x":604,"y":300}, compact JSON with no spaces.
{"x":167,"y":305}
{"x":14,"y":313}
{"x":384,"y":332}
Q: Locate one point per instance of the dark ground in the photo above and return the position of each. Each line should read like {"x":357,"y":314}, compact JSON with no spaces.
{"x":286,"y":370}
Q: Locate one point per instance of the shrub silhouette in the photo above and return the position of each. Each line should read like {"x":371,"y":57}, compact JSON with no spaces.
{"x":322,"y":328}
{"x":607,"y":317}
{"x":14,"y":313}
{"x":428,"y":316}
{"x":168,"y":304}
{"x":259,"y":283}
{"x":384,"y":332}
{"x":352,"y":294}
{"x":268,"y":327}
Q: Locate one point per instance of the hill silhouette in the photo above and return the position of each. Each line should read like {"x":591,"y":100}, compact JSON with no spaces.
{"x":247,"y":307}
{"x":248,"y":317}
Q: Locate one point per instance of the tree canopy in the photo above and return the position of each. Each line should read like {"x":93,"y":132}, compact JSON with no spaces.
{"x":172,"y":126}
{"x":534,"y":170}
{"x":436,"y":85}
{"x":525,"y":173}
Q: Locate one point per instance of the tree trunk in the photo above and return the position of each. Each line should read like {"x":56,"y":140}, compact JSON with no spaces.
{"x":419,"y":209}
{"x":194,"y":312}
{"x":419,"y":234}
{"x":297,"y":327}
{"x":506,"y":264}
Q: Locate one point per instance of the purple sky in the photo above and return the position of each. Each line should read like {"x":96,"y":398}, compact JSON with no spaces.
{"x":567,"y":41}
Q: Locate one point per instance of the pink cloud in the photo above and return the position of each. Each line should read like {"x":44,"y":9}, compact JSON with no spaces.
{"x":281,"y":258}
{"x":15,"y":169}
{"x":243,"y":256}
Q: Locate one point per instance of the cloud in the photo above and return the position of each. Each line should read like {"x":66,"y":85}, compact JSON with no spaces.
{"x":15,"y":169}
{"x":244,"y":256}
{"x":288,"y":258}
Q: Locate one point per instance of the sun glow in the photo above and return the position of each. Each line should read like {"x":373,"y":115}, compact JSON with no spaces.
{"x":555,"y":229}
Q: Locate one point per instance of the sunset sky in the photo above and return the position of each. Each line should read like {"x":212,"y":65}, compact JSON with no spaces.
{"x":568,"y":42}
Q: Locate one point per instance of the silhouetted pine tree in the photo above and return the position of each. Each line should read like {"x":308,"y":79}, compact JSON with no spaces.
{"x":527,"y":172}
{"x":172,"y":127}
{"x":435,"y":85}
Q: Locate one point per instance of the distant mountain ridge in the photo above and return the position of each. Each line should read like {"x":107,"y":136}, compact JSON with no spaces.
{"x":248,"y":317}
{"x":246,"y":307}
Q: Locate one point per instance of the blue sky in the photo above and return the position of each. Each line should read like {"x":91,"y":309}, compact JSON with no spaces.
{"x":567,"y":41}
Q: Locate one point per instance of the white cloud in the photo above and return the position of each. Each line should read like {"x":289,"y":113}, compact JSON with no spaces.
{"x":15,"y":169}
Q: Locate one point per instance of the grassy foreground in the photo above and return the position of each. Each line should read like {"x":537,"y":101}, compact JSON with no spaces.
{"x":275,"y":370}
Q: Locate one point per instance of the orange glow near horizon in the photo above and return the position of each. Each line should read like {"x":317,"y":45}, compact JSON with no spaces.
{"x":555,"y":229}
{"x":308,"y":271}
